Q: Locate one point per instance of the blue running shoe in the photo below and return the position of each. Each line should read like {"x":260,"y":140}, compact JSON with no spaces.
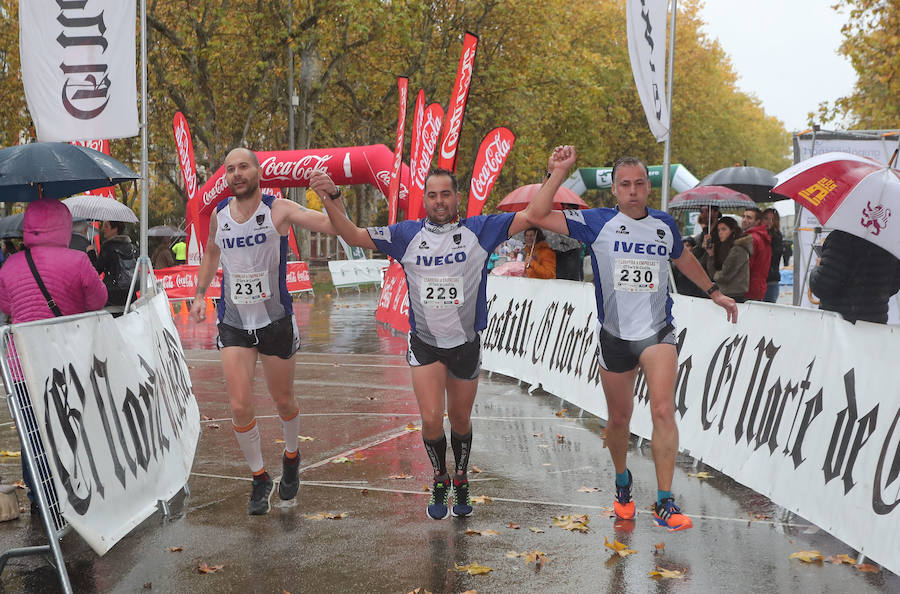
{"x":439,"y":504}
{"x":462,"y":503}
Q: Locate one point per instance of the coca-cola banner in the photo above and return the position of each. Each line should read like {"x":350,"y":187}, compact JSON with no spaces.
{"x":78,"y":68}
{"x":491,"y":156}
{"x":393,"y":306}
{"x":431,"y":130}
{"x":103,"y":147}
{"x":180,"y":282}
{"x":185,"y":147}
{"x":394,"y":187}
{"x":415,"y":198}
{"x":456,"y":110}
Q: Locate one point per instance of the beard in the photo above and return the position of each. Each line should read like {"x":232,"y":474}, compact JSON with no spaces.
{"x":250,"y":188}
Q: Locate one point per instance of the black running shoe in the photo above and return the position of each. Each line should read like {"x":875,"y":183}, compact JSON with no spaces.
{"x":260,"y":496}
{"x":439,"y":504}
{"x":462,"y":503}
{"x":290,"y":477}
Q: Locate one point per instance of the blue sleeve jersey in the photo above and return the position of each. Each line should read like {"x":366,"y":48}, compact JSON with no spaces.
{"x":446,"y":273}
{"x":630,"y":260}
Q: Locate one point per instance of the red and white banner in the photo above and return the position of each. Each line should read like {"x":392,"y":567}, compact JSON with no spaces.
{"x":393,"y":196}
{"x":185,"y":147}
{"x":646,"y":25}
{"x":456,"y":110}
{"x":491,"y":156}
{"x":78,"y":68}
{"x":415,"y":198}
{"x":103,"y":147}
{"x":431,"y":130}
{"x":393,"y":306}
{"x":180,"y":282}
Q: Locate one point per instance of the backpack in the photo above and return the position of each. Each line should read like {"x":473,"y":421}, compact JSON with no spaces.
{"x":118,"y":278}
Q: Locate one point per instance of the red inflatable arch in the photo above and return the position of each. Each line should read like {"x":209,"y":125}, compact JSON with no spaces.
{"x":285,"y":169}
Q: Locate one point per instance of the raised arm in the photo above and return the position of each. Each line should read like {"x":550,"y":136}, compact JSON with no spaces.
{"x":691,"y":268}
{"x":540,"y":211}
{"x":209,"y":264}
{"x":288,"y":212}
{"x":325,"y":188}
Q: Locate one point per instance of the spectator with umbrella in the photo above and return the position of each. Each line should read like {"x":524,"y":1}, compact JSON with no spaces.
{"x":540,"y":259}
{"x":761,"y":259}
{"x":116,"y":261}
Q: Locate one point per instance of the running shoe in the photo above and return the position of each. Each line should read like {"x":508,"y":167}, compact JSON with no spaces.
{"x":439,"y":504}
{"x":290,"y":477}
{"x":623,"y":504}
{"x":668,"y":515}
{"x":462,"y":503}
{"x":260,"y":495}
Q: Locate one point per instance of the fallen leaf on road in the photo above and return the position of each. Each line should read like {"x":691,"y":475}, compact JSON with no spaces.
{"x":148,"y":585}
{"x":19,"y":483}
{"x":305,"y":438}
{"x":514,"y":526}
{"x":401,"y":476}
{"x":204,"y":568}
{"x":701,"y":475}
{"x":839,"y":559}
{"x":481,"y":499}
{"x":472,"y":531}
{"x":359,"y":456}
{"x":807,"y":556}
{"x":10,"y":453}
{"x":474,"y":569}
{"x":573,"y":523}
{"x":205,"y":418}
{"x":427,"y":489}
{"x":214,"y":426}
{"x":618,"y":548}
{"x":560,"y":438}
{"x":327,"y":516}
{"x":761,"y":517}
{"x":419,"y":591}
{"x":588,"y":489}
{"x":868,"y":567}
{"x":536,"y":557}
{"x":364,"y":492}
{"x":538,"y":434}
{"x":279,"y":441}
{"x":342,"y":460}
{"x":536,"y":530}
{"x":176,"y":549}
{"x":475,"y":469}
{"x":560,"y":413}
{"x":411,"y":427}
{"x":659,"y":546}
{"x":607,"y":512}
{"x":663,"y":573}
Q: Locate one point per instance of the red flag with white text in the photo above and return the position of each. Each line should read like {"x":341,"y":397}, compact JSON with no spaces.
{"x":431,"y":131}
{"x":394,"y":188}
{"x":415,"y":141}
{"x":456,"y":110}
{"x":196,"y":237}
{"x":491,"y":156}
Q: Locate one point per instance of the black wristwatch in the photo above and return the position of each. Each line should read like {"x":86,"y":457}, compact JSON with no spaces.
{"x":549,"y":173}
{"x":712,"y":289}
{"x":336,"y":195}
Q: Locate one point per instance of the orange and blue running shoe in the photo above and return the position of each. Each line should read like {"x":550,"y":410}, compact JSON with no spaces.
{"x":668,"y":515}
{"x":623,"y":505}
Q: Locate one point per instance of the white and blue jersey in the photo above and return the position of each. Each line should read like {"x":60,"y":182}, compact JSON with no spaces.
{"x":630,"y":260}
{"x":254,"y":268}
{"x":446,"y":273}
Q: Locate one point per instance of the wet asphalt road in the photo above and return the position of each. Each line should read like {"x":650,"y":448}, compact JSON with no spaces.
{"x":356,"y":403}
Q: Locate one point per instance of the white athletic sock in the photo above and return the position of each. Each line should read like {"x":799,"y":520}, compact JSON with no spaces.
{"x":291,"y":429}
{"x":248,"y":439}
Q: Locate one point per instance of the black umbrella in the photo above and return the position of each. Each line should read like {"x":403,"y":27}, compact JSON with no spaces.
{"x":56,"y":170}
{"x":752,"y":181}
{"x":11,"y":226}
{"x":165,"y":231}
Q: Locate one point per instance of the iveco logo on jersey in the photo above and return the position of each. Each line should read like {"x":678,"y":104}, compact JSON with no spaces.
{"x":440,"y":260}
{"x":640,"y":248}
{"x":232,"y":242}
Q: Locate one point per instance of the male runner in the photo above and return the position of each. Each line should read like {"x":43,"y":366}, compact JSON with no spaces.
{"x":255,"y":316}
{"x":631,"y":246}
{"x":445,"y":261}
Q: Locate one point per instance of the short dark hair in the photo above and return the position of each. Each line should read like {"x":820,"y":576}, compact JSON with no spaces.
{"x":119,"y":226}
{"x":438,"y":171}
{"x":756,"y":211}
{"x":629,"y":161}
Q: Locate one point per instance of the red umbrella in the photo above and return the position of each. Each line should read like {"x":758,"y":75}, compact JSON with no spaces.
{"x":718,"y":196}
{"x":519,"y":198}
{"x":847,"y":192}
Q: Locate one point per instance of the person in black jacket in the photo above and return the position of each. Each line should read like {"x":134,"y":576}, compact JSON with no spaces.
{"x":116,"y":262}
{"x":773,"y":281}
{"x":855,"y":278}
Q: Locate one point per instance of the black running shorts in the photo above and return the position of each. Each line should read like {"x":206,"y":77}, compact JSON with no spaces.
{"x":619,"y":355}
{"x":463,"y":361}
{"x":280,"y":338}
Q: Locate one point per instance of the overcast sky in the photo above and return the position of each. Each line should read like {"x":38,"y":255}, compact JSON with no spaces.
{"x":784,"y":52}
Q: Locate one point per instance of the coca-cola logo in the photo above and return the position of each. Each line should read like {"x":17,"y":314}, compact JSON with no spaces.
{"x":494,"y":155}
{"x":216,"y":190}
{"x":299,"y":170}
{"x":430,"y":131}
{"x":97,"y":145}
{"x":167,"y":282}
{"x":451,"y":139}
{"x":187,"y":167}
